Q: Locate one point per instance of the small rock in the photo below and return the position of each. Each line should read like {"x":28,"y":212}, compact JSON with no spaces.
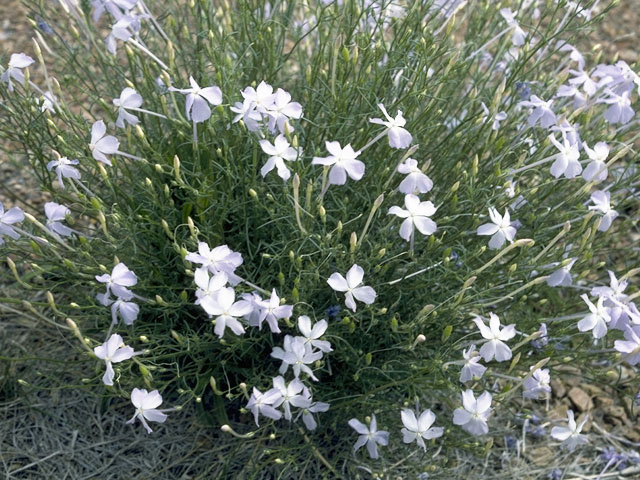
{"x":540,"y":455}
{"x":629,"y":56}
{"x":558,"y":388}
{"x":580,"y":399}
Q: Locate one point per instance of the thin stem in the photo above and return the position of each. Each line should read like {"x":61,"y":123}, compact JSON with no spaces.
{"x":142,"y":110}
{"x":146,"y":51}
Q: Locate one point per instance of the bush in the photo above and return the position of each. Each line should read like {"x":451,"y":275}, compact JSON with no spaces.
{"x":210,"y":130}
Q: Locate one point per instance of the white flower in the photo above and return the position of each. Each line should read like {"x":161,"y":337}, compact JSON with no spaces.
{"x":208,"y":286}
{"x":146,"y":403}
{"x":313,"y":334}
{"x":415,"y":181}
{"x":416,"y":216}
{"x":246,"y":112}
{"x":64,"y":169}
{"x":280,"y":150}
{"x":630,"y":346}
{"x":48,"y":102}
{"x":602,"y":204}
{"x":571,"y":436}
{"x":344,"y":163}
{"x":537,"y":384}
{"x":567,"y":160}
{"x":562,"y":276}
{"x":471,"y":369}
{"x":216,"y":260}
{"x":121,"y":278}
{"x":500,"y":116}
{"x":112,"y":351}
{"x":261,"y":97}
{"x":596,"y":320}
{"x":121,"y":307}
{"x":129,"y":98}
{"x":351,"y":285}
{"x":7,"y":219}
{"x":619,"y":110}
{"x":474,"y":414}
{"x":56,"y":214}
{"x":399,"y":137}
{"x":17,"y":62}
{"x":102,"y":144}
{"x":116,"y":8}
{"x":597,"y":169}
{"x":290,"y":395}
{"x":369,"y":435}
{"x":307,"y":413}
{"x":495,"y":347}
{"x":281,"y":110}
{"x":297,"y":354}
{"x":222,"y":305}
{"x":198,"y":99}
{"x":519,"y":35}
{"x":419,"y":429}
{"x":262,"y":404}
{"x":124,"y":29}
{"x":501,"y":229}
{"x":541,"y":112}
{"x":271,"y":311}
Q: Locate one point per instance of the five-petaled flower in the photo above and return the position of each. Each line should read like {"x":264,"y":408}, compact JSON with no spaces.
{"x":570,"y":435}
{"x":198,"y":99}
{"x":471,"y":369}
{"x":351,"y":285}
{"x":112,"y":351}
{"x":102,"y":144}
{"x":495,"y":347}
{"x":399,"y":137}
{"x":474,"y":414}
{"x":121,"y":278}
{"x":271,"y":311}
{"x":344,"y":163}
{"x":369,"y":435}
{"x":602,"y":204}
{"x":7,"y":219}
{"x":146,"y":403}
{"x":567,"y":160}
{"x":501,"y":228}
{"x":56,"y":214}
{"x":263,"y":404}
{"x":280,"y":150}
{"x":17,"y":62}
{"x":415,"y":216}
{"x":419,"y":429}
{"x":129,"y":98}
{"x":415,"y":181}
{"x":313,"y":334}
{"x":64,"y":169}
{"x":223,"y":306}
{"x":597,"y":318}
{"x":537,"y":384}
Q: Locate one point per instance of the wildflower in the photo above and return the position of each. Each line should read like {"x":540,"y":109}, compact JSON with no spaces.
{"x":499,"y":117}
{"x":579,"y":99}
{"x":121,"y":307}
{"x":543,"y":339}
{"x":48,"y":102}
{"x":290,"y":395}
{"x":146,"y":403}
{"x":602,"y":204}
{"x":313,"y":334}
{"x":344,"y":163}
{"x":262,"y":404}
{"x":562,"y":276}
{"x":419,"y":429}
{"x":129,"y":98}
{"x":542,"y":112}
{"x":596,"y":320}
{"x":630,"y":346}
{"x":369,"y":435}
{"x":121,"y":278}
{"x":198,"y":99}
{"x":567,"y":160}
{"x":495,"y":347}
{"x":474,"y":414}
{"x":262,"y":97}
{"x":124,"y":29}
{"x":597,"y":169}
{"x":501,"y":229}
{"x":208,"y":286}
{"x":351,"y":285}
{"x":570,"y":435}
{"x":616,"y":301}
{"x":64,"y":169}
{"x":471,"y":369}
{"x":280,"y":150}
{"x":282,"y":110}
{"x":223,"y":306}
{"x":101,"y":144}
{"x":415,"y":181}
{"x":116,"y":8}
{"x":17,"y":62}
{"x":271,"y":311}
{"x":7,"y":219}
{"x":416,"y":216}
{"x":519,"y":35}
{"x":253,"y":300}
{"x":399,"y":137}
{"x":56,"y":214}
{"x":246,"y":112}
{"x":537,"y":384}
{"x":297,"y":354}
{"x":619,"y":110}
{"x":307,"y":413}
{"x":216,"y":260}
{"x":112,"y":351}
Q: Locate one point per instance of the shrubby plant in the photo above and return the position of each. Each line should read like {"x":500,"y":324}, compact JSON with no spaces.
{"x":355,"y":282}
